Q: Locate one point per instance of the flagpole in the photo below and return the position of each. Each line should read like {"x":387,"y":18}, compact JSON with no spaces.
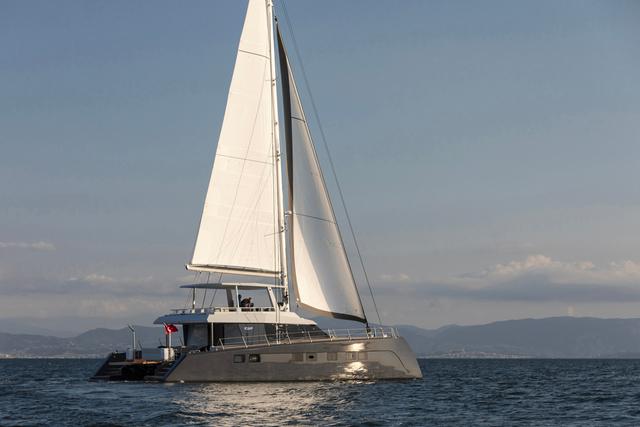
{"x":167,"y":336}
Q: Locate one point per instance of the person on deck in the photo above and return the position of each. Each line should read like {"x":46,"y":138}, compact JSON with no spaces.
{"x":246,"y":302}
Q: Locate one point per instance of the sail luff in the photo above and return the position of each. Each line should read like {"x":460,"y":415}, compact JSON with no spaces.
{"x":320,"y":269}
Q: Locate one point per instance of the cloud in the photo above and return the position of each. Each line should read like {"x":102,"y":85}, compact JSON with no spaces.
{"x":535,"y":278}
{"x":36,"y":246}
{"x":395,"y":277}
{"x":112,"y":285}
{"x":96,"y":284}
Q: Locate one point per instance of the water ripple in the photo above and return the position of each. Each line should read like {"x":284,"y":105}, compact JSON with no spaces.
{"x":458,"y":392}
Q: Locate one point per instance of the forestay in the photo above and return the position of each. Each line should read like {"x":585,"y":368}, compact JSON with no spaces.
{"x":239,"y":226}
{"x":321,"y":274}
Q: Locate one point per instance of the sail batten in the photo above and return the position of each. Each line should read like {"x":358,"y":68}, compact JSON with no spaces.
{"x":321,"y":273}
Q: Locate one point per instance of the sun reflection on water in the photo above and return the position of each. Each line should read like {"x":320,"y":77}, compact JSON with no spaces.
{"x":243,"y":404}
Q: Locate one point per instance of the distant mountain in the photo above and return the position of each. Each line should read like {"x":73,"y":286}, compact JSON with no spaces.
{"x":554,"y":337}
{"x":65,"y":326}
{"x":33,"y":327}
{"x":93,"y":343}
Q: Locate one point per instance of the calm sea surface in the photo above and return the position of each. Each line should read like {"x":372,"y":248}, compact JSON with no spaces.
{"x":453,"y":392}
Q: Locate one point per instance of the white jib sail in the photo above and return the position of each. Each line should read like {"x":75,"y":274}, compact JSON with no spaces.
{"x":322,"y":276}
{"x":239,"y":226}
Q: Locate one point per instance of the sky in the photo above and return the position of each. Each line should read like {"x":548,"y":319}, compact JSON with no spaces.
{"x":489,"y":152}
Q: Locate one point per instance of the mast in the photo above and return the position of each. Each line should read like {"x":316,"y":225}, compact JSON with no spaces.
{"x":284,"y":279}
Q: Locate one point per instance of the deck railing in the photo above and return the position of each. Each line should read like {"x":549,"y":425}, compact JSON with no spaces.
{"x":209,"y":310}
{"x":284,"y":337}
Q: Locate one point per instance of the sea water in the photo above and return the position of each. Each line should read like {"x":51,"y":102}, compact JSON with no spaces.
{"x":452,"y":392}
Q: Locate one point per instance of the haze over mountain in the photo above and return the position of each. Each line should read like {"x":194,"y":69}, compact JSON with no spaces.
{"x":555,"y":337}
{"x":93,"y":343}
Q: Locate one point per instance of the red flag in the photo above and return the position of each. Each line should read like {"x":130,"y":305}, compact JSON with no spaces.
{"x":169,"y":329}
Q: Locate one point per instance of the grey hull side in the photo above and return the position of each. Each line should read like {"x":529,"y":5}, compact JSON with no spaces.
{"x":381,"y":358}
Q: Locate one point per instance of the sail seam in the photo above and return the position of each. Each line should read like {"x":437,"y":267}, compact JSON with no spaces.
{"x":243,"y":159}
{"x":254,"y":53}
{"x":315,"y":217}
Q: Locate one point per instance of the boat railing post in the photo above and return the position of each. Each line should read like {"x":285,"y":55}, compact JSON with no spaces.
{"x":288,"y":337}
{"x":309,"y":334}
{"x":244,"y":341}
{"x":221,"y":343}
{"x":267,"y":340}
{"x":349,"y":333}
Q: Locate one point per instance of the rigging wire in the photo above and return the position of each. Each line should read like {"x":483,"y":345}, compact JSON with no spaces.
{"x":326,"y":147}
{"x":195,"y":280}
{"x":215,"y":291}
{"x":204,"y":297}
{"x":213,"y":297}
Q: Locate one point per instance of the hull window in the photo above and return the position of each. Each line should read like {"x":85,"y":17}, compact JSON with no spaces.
{"x":332,"y":356}
{"x":297,"y":357}
{"x":238,"y":358}
{"x":254,"y":358}
{"x":311,"y":356}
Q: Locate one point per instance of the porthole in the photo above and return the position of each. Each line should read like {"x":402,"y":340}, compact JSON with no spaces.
{"x":311,"y":356}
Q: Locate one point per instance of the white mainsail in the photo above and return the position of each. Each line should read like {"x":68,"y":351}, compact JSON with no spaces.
{"x":239,"y":228}
{"x":321,"y":273}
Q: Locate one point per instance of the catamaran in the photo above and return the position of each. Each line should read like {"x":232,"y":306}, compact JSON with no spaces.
{"x":276,"y":247}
